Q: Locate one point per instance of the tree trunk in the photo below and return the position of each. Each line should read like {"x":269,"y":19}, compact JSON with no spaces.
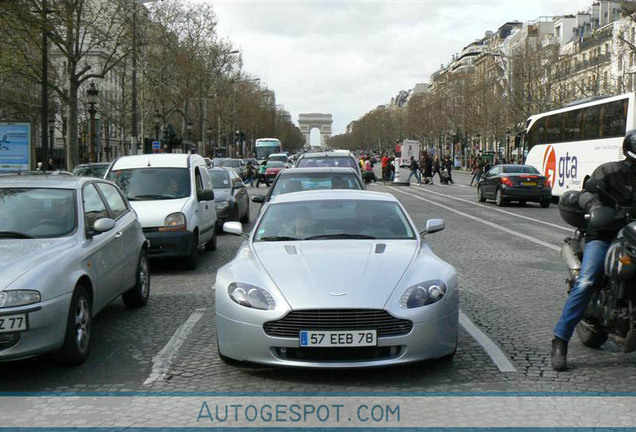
{"x":72,"y":151}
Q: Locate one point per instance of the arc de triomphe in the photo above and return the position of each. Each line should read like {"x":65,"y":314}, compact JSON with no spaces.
{"x":315,"y":120}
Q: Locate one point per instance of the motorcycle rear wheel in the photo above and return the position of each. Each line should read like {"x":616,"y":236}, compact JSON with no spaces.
{"x":591,"y":334}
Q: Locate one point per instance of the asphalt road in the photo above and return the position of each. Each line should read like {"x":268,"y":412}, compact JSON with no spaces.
{"x":512,"y":290}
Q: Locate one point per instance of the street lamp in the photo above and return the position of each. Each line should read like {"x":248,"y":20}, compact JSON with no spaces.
{"x":51,"y":138}
{"x":92,"y":94}
{"x":508,"y":145}
{"x":189,"y":128}
{"x":157,"y":121}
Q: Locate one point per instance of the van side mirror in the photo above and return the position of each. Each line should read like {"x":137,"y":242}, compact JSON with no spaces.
{"x":205,"y":195}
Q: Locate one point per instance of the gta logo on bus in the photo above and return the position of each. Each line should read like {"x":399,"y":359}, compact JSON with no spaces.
{"x":568,"y":166}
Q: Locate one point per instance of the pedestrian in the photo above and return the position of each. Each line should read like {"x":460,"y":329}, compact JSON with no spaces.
{"x":449,"y":167}
{"x":261,"y":174}
{"x":391,"y":171}
{"x":437,"y":168}
{"x":249,"y":174}
{"x":415,"y":171}
{"x":39,"y":167}
{"x":369,"y":175}
{"x":428,"y":169}
{"x":385,"y":167}
{"x":476,"y":168}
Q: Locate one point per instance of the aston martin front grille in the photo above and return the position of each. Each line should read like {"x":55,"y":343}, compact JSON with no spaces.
{"x":338,"y":319}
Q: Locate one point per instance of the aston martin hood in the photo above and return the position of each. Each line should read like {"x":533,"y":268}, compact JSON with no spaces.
{"x":336,"y":274}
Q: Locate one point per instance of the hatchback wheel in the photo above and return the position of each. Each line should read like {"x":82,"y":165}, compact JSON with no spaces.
{"x":499,"y":198}
{"x":138,"y":295}
{"x":545,"y":203}
{"x":77,"y":339}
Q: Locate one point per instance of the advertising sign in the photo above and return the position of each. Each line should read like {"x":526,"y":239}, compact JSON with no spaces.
{"x":15,"y":146}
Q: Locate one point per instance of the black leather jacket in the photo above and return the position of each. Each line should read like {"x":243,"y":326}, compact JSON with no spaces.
{"x":620,"y":178}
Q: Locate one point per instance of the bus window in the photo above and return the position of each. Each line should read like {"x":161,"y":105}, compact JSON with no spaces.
{"x":553,"y":129}
{"x":615,"y":119}
{"x":591,"y":122}
{"x":572,"y":125}
{"x":536,"y":133}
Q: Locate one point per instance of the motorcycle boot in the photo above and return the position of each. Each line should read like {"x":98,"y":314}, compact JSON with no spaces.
{"x":559,"y":354}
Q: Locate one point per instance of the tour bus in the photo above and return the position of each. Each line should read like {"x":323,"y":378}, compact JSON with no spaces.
{"x":266,"y":146}
{"x":567,"y":144}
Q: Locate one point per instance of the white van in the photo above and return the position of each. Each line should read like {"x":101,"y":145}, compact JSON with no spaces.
{"x":174,"y":201}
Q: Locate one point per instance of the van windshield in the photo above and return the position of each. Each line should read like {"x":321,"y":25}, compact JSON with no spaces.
{"x":147,"y":184}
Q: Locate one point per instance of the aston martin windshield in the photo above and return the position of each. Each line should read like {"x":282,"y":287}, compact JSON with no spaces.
{"x":334,"y":220}
{"x":36,"y":213}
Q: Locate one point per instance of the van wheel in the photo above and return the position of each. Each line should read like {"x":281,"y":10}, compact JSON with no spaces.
{"x":211,"y":244}
{"x":138,"y":295}
{"x":77,"y":338}
{"x":191,"y":260}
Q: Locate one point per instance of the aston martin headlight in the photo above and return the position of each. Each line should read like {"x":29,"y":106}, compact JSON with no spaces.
{"x":423,"y":294}
{"x":251,"y":296}
{"x":221,"y":204}
{"x":18,"y":298}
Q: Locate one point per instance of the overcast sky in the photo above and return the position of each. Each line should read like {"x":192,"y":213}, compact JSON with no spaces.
{"x":347,"y":57}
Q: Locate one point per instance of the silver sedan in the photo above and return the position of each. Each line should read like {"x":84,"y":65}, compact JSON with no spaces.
{"x":68,"y":247}
{"x":336,"y":278}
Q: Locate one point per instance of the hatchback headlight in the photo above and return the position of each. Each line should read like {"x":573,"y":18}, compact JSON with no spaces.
{"x":423,"y":294}
{"x":174,"y":222}
{"x":222,"y":204}
{"x":251,"y":296}
{"x":18,"y":298}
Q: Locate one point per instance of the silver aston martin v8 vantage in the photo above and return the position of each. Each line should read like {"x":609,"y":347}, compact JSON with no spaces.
{"x":336,"y":279}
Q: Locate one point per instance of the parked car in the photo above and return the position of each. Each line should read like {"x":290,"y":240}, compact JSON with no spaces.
{"x":231,"y":163}
{"x":232,"y":202}
{"x":97,"y":170}
{"x":173,"y":196}
{"x":306,"y":179}
{"x":68,"y":247}
{"x":336,"y":158}
{"x":273,"y":168}
{"x":292,"y":295}
{"x":522,"y":183}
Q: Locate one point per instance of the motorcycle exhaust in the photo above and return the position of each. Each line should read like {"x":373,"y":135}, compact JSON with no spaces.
{"x":569,"y":257}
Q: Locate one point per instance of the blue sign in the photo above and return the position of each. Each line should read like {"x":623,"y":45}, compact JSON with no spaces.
{"x":15,"y":146}
{"x":156,"y":145}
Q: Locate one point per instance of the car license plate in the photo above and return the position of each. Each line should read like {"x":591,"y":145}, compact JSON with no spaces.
{"x":353,"y":338}
{"x":528,"y":183}
{"x":13,"y":323}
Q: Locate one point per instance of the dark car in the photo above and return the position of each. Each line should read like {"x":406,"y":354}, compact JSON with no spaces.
{"x":306,"y":179}
{"x":522,"y":183}
{"x":97,"y":170}
{"x":230,"y":196}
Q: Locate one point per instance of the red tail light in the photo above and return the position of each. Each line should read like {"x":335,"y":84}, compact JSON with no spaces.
{"x":506,"y":181}
{"x":547,"y":183}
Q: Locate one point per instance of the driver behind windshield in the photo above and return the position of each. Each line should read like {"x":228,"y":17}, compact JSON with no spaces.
{"x":620,"y":178}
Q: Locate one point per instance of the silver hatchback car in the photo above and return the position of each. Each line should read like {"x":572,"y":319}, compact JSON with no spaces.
{"x":68,"y":246}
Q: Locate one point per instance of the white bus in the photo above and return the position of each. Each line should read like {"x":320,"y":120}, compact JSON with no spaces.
{"x":567,"y":145}
{"x":266,"y":146}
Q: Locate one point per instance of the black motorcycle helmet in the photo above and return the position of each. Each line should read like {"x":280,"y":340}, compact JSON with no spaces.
{"x":629,"y":145}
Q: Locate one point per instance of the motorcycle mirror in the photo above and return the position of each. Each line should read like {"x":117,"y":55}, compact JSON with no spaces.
{"x":595,"y":186}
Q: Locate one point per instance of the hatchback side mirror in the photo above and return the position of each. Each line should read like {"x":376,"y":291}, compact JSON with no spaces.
{"x":103,"y":225}
{"x":205,"y":195}
{"x":235,"y":228}
{"x":434,"y":225}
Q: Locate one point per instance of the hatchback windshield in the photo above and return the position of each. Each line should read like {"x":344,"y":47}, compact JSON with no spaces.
{"x":275,"y":164}
{"x":520,"y":169}
{"x":220,"y":180}
{"x":279,"y":158}
{"x":142,"y":184}
{"x":334,"y":219}
{"x":231,"y":163}
{"x":299,"y":181}
{"x":37,"y":213}
{"x":327,"y":162}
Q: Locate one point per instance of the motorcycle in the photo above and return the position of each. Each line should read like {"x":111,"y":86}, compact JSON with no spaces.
{"x":612,"y":310}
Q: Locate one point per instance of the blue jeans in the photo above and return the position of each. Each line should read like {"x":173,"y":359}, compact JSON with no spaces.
{"x":250,"y":180}
{"x":417,"y":176}
{"x":592,"y":268}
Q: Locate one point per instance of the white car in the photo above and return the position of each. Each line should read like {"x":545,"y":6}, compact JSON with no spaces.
{"x":336,"y":278}
{"x":173,"y":197}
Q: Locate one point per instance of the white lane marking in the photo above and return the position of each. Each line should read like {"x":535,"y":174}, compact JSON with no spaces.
{"x":504,"y":211}
{"x":485,"y":222}
{"x":461,"y":185}
{"x":162,"y":361}
{"x":498,"y":357}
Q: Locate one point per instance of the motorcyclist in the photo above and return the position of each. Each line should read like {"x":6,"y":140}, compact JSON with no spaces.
{"x":620,"y":179}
